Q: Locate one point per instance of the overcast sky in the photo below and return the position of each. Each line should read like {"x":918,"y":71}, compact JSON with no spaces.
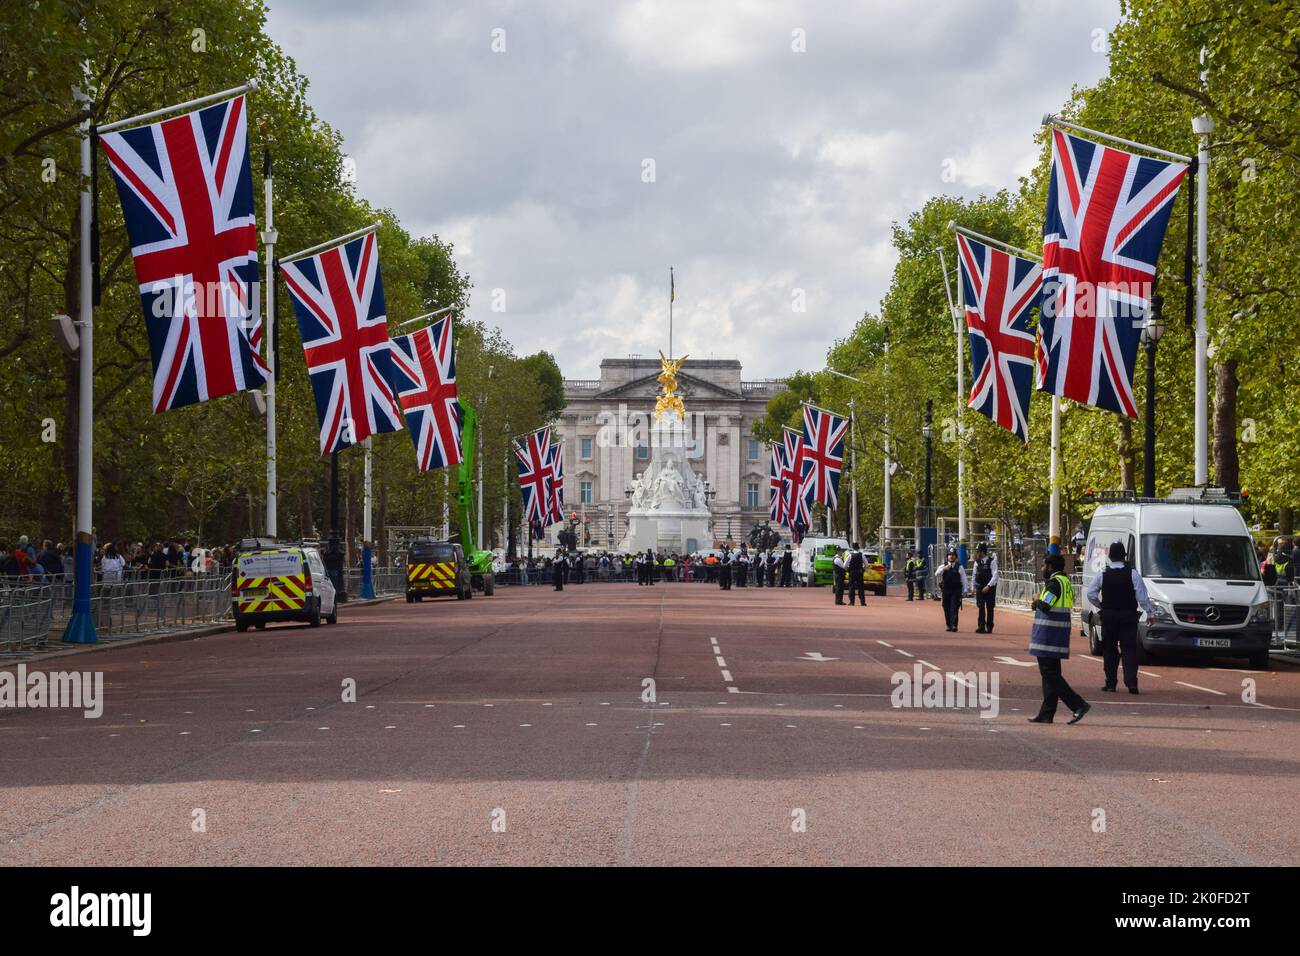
{"x":774,"y":170}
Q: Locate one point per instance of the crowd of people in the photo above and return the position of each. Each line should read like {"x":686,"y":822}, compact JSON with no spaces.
{"x":725,"y":567}
{"x":113,"y":562}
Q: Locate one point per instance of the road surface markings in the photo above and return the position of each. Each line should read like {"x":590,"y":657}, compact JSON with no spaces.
{"x":884,"y":643}
{"x":1012,"y":661}
{"x":726,"y":675}
{"x":904,"y":653}
{"x":722,"y":666}
{"x":927,"y":664}
{"x":721,"y":662}
{"x":1208,"y":690}
{"x":815,"y":656}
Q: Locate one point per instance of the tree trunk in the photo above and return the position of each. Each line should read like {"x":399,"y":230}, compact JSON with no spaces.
{"x":1227,"y":467}
{"x":1124,"y":445}
{"x":1285,"y":520}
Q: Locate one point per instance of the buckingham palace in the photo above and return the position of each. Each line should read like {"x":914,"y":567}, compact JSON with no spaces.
{"x":608,"y":432}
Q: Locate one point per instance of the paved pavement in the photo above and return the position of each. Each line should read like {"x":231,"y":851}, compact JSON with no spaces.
{"x":513,"y":729}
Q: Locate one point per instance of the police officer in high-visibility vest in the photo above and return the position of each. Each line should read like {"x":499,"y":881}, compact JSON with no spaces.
{"x":1118,"y":591}
{"x":853,"y":571}
{"x":910,"y":572}
{"x":1049,"y":641}
{"x":986,"y":587}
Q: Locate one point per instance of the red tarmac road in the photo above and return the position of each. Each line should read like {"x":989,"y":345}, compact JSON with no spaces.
{"x":525,"y":711}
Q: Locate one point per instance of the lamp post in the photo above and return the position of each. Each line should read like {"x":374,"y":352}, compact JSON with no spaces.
{"x":927,"y":430}
{"x":1151,"y":332}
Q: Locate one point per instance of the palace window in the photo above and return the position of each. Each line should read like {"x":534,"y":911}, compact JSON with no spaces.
{"x":584,"y":448}
{"x":584,"y":492}
{"x":751,"y":494}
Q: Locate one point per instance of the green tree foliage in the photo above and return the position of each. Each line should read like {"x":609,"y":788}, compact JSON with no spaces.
{"x":198,"y":471}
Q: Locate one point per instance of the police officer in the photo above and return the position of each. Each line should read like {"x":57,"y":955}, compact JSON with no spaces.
{"x":742,"y":567}
{"x":579,"y":567}
{"x":651,"y":566}
{"x":1049,"y":641}
{"x":838,"y":575}
{"x":724,"y":571}
{"x":787,"y":568}
{"x":853,"y":569}
{"x":558,"y":568}
{"x":909,"y":570}
{"x":986,"y":587}
{"x":951,"y":579}
{"x":759,"y":567}
{"x":1118,"y":591}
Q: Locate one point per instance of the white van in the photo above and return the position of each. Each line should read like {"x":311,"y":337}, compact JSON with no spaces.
{"x":804,"y":558}
{"x":1198,"y":564}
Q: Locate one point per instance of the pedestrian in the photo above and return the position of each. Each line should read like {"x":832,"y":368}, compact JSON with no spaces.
{"x":1049,"y":641}
{"x":50,"y":560}
{"x":651,"y":566}
{"x":741,"y":570}
{"x":787,"y":568}
{"x":986,"y":587}
{"x":113,"y":564}
{"x":837,"y":575}
{"x":724,"y":571}
{"x":952,"y":585}
{"x":773,"y":560}
{"x":578,"y":567}
{"x":909,"y":571}
{"x":854,"y":569}
{"x":558,"y":568}
{"x":1118,"y":591}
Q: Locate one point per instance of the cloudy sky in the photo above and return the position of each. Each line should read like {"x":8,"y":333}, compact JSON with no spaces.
{"x":776,"y":172}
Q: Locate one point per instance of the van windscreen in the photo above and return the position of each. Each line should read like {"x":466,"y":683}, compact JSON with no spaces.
{"x":1214,"y":556}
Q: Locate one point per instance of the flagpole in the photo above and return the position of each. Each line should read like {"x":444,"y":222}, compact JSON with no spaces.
{"x":367,"y":549}
{"x":427,"y":315}
{"x":956,"y":312}
{"x":81,"y":625}
{"x":1054,"y":509}
{"x":1050,"y":119}
{"x":989,"y":240}
{"x":229,"y":94}
{"x":853,"y":464}
{"x":330,"y":243}
{"x":269,"y":237}
{"x":886,"y":532}
{"x":1203,"y":126}
{"x":672,"y":294}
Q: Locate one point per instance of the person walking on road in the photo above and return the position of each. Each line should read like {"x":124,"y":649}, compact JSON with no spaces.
{"x":952,"y":585}
{"x":853,"y":570}
{"x":910,"y":573}
{"x":1049,"y":641}
{"x":986,"y":587}
{"x":1119,"y":591}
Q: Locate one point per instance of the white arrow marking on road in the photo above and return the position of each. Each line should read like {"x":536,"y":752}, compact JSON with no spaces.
{"x":816,"y":656}
{"x":1012,"y":661}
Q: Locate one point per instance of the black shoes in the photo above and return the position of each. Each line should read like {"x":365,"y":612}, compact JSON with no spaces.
{"x":1040,"y":719}
{"x":1078,"y":714}
{"x":979,"y":630}
{"x":1132,"y":690}
{"x":1109,"y":688}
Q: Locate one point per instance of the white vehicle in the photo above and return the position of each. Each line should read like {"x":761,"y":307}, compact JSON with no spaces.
{"x":1198,"y":563}
{"x":804,"y":553}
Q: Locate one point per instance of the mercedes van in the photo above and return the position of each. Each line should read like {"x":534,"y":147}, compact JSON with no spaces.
{"x":1197,"y":560}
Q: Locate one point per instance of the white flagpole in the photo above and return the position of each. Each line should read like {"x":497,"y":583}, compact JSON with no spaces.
{"x":142,"y":118}
{"x":1054,"y":509}
{"x":330,"y":243}
{"x":1203,"y":126}
{"x":269,"y":237}
{"x":957,"y":318}
{"x":81,"y":625}
{"x":887,"y":531}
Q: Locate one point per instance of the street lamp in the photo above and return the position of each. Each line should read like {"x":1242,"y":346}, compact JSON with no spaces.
{"x":1152,"y":330}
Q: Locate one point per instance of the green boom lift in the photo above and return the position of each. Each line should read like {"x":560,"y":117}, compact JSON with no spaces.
{"x":480,"y":562}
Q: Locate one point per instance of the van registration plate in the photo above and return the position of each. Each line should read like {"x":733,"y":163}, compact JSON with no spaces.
{"x":1213,"y":642}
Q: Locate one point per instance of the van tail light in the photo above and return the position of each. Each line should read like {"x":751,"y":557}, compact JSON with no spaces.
{"x":306,"y":575}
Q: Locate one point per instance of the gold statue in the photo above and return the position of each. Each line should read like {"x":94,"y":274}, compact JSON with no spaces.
{"x":669,"y":400}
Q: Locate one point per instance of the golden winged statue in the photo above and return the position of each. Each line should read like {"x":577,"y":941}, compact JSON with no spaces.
{"x":669,"y":400}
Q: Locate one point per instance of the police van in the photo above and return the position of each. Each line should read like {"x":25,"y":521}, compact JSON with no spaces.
{"x":1197,"y":559}
{"x":437,"y":569}
{"x":280,"y":582}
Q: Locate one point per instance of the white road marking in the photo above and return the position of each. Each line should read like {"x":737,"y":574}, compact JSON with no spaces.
{"x":884,"y":643}
{"x":1208,"y":690}
{"x":721,"y":662}
{"x":927,"y":663}
{"x":904,"y":653}
{"x":726,"y":675}
{"x":1149,"y":674}
{"x":733,"y":690}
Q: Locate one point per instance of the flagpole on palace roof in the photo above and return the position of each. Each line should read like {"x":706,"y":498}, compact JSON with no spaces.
{"x":956,"y":312}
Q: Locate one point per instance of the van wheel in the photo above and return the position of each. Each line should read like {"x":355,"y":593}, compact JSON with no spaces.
{"x":1259,"y":662}
{"x":334,"y":618}
{"x":241,"y":626}
{"x":260,"y":625}
{"x":410,"y":599}
{"x":1094,"y":642}
{"x":313,"y":619}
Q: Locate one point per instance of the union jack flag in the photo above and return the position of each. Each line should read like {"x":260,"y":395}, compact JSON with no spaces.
{"x":823,"y":454}
{"x":1106,"y":216}
{"x":999,"y":291}
{"x":338,"y":298}
{"x":187,"y":197}
{"x":532,"y":461}
{"x":776,"y":506}
{"x":424,"y":363}
{"x":797,"y":515}
{"x":555,"y":460}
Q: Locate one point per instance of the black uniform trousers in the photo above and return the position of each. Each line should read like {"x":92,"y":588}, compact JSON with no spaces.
{"x":837,"y":584}
{"x":911,"y":583}
{"x":951,"y":607}
{"x":856,"y":586}
{"x":557,"y":577}
{"x":1056,"y":688}
{"x":985,"y":601}
{"x":1119,"y":635}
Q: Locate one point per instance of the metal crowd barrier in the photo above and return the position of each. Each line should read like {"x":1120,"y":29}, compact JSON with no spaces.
{"x":1286,"y":616}
{"x":25,"y":617}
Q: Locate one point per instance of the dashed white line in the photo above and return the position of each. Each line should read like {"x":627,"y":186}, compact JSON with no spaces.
{"x":884,"y":643}
{"x":721,"y":662}
{"x":1208,"y":690}
{"x":726,"y":675}
{"x":903,"y":652}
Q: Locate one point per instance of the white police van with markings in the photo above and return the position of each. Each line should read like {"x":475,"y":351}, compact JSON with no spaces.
{"x":1197,"y":559}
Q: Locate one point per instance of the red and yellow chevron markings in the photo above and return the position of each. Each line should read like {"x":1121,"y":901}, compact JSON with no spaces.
{"x":272,"y":594}
{"x":433,"y":576}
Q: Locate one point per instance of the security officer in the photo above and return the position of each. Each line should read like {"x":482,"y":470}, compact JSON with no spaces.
{"x":838,"y":575}
{"x":986,"y":587}
{"x":558,"y":568}
{"x":579,"y":567}
{"x":1049,"y":641}
{"x":1118,"y":591}
{"x":670,"y":568}
{"x":724,"y":571}
{"x":759,"y":567}
{"x":853,"y":569}
{"x":787,"y":568}
{"x":951,"y":580}
{"x":742,"y":567}
{"x":909,"y":570}
{"x":651,"y":566}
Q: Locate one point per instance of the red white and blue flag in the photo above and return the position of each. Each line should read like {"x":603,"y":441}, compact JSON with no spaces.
{"x":1106,"y":216}
{"x":338,"y":298}
{"x":999,"y":291}
{"x":555,"y":460}
{"x":532,"y":459}
{"x":424,"y":365}
{"x":823,"y":454}
{"x":187,"y":198}
{"x":776,"y":504}
{"x":797,"y":514}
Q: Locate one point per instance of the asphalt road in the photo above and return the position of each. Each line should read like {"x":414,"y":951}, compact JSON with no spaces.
{"x":514,"y":730}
